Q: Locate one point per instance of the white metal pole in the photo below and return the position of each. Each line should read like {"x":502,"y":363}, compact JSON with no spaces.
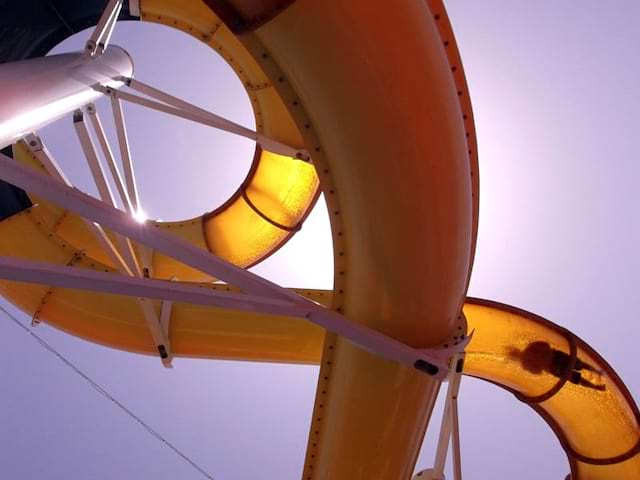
{"x":179,"y":108}
{"x":151,"y":317}
{"x":455,"y":440}
{"x":108,"y":155}
{"x":104,"y":190}
{"x":125,"y":154}
{"x":35,"y":92}
{"x":443,"y":441}
{"x":30,"y":271}
{"x":40,"y":151}
{"x":433,"y":362}
{"x":160,"y":339}
{"x":165,"y":316}
{"x":99,"y":39}
{"x":106,"y":37}
{"x":449,"y":425}
{"x":103,"y":187}
{"x":146,"y":260}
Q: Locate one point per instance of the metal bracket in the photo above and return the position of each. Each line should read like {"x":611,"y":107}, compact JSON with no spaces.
{"x":165,"y":315}
{"x":101,"y":35}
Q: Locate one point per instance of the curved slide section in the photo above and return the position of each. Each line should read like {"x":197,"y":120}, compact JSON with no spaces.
{"x":118,"y":321}
{"x":564,"y":380}
{"x":544,"y":365}
{"x":355,"y":111}
{"x":266,"y":209}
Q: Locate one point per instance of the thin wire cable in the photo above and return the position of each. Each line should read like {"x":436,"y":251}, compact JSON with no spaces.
{"x":106,"y":394}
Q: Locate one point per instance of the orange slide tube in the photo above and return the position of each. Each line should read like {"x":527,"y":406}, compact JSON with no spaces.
{"x":376,"y":93}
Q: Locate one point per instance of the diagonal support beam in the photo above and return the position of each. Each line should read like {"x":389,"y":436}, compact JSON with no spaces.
{"x":179,"y":108}
{"x":151,"y":317}
{"x":172,"y":291}
{"x":165,"y":312}
{"x":21,"y":270}
{"x":120,"y":222}
{"x":165,"y":316}
{"x":449,"y":429}
{"x":107,"y":153}
{"x":125,"y":154}
{"x":127,"y":264}
{"x":160,"y":339}
{"x":103,"y":187}
{"x":433,"y":362}
{"x":40,"y":151}
{"x":99,"y":39}
{"x":146,"y":260}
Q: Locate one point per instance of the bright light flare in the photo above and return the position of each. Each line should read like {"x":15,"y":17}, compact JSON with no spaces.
{"x":140,"y":216}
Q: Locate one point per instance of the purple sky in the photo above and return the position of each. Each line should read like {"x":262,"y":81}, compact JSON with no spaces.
{"x":554,"y":89}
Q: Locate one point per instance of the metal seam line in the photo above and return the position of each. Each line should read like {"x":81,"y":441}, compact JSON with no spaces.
{"x":295,"y":228}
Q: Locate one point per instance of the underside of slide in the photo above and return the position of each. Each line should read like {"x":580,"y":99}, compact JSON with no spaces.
{"x":348,"y":82}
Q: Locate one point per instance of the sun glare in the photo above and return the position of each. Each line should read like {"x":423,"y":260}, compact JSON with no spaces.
{"x":140,"y":216}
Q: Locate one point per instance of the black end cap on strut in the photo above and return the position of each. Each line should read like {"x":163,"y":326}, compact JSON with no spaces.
{"x":426,"y":367}
{"x":163,"y":351}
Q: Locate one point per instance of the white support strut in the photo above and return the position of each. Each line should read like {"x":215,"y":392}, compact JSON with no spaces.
{"x":125,"y":154}
{"x":40,"y":151}
{"x":126,"y":262}
{"x":134,"y":8}
{"x":434,"y":362}
{"x":165,"y":316}
{"x":168,"y":291}
{"x":455,"y":439}
{"x":449,"y":429}
{"x":99,"y":39}
{"x":173,"y":291}
{"x":103,"y":187}
{"x":107,"y":153}
{"x":146,"y":260}
{"x":89,"y":207}
{"x":174,"y":106}
{"x":44,"y":89}
{"x":151,"y":317}
{"x":165,"y":313}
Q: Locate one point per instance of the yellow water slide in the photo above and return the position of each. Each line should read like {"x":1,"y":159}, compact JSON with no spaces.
{"x":375,"y":91}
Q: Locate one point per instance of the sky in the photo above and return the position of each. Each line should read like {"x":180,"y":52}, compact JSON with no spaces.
{"x":554,"y":91}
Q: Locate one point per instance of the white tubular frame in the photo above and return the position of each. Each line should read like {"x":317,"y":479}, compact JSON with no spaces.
{"x":134,"y":8}
{"x":40,"y":151}
{"x":168,"y":291}
{"x":45,"y":89}
{"x":179,"y":108}
{"x":103,"y":187}
{"x":126,"y":264}
{"x":125,"y":154}
{"x":159,"y":337}
{"x":165,"y":316}
{"x":434,"y":362}
{"x":449,"y":429}
{"x":99,"y":39}
{"x":146,"y":260}
{"x":107,"y":153}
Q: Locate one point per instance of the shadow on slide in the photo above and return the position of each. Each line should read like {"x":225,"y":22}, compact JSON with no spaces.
{"x":564,"y":380}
